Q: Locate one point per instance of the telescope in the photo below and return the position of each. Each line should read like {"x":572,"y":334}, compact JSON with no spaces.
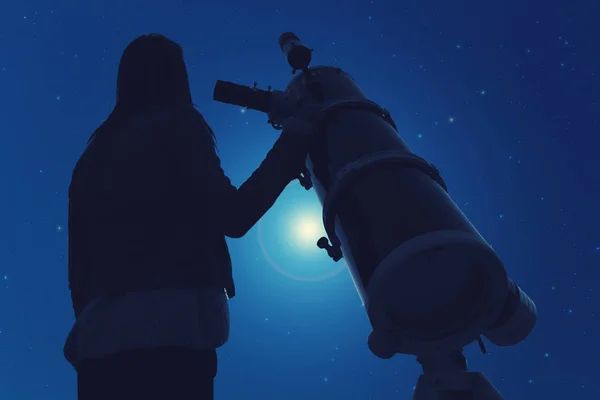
{"x":430,"y":283}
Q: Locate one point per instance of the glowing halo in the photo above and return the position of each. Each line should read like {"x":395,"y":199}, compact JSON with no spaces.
{"x":287,"y":274}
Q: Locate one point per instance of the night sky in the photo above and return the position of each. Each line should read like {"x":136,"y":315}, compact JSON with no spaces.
{"x":502,"y":96}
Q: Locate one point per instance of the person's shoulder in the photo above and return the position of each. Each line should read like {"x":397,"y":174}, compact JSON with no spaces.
{"x":188,"y":111}
{"x":188,"y":120}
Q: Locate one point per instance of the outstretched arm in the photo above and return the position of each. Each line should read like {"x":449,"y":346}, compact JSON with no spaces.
{"x":235,"y":210}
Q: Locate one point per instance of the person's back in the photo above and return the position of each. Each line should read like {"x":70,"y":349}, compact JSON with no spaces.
{"x":149,"y":209}
{"x":151,"y":227}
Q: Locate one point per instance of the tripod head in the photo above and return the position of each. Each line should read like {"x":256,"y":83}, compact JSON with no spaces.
{"x":429,"y":281}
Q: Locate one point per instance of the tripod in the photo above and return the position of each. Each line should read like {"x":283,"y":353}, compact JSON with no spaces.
{"x":445,"y":375}
{"x":446,"y":378}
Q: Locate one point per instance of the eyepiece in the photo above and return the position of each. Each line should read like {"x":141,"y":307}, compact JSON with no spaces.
{"x":298,"y":55}
{"x":286,"y":39}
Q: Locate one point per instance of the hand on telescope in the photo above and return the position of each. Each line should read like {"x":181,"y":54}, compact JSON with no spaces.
{"x":302,"y":131}
{"x":300,"y":136}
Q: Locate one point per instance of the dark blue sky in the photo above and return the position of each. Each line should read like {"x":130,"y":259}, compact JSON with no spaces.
{"x":501,"y":96}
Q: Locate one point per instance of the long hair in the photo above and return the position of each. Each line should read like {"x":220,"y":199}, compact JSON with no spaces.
{"x":152,"y":73}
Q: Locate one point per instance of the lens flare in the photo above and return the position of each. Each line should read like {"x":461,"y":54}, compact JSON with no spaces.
{"x":304,"y":229}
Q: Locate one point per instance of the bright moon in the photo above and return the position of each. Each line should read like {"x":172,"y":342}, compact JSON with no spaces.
{"x":306,"y":229}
